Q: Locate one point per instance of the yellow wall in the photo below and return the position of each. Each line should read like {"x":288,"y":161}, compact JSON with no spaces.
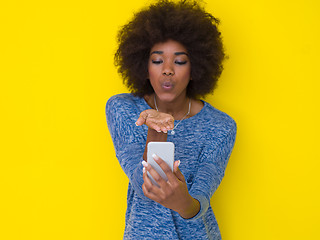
{"x":59,"y":178}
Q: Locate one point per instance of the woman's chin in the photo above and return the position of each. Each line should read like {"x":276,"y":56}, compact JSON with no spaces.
{"x":167,"y":97}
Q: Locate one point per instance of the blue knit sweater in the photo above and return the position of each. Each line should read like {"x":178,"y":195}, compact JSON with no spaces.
{"x":203,"y":144}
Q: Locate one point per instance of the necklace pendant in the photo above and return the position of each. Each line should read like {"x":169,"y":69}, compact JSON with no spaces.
{"x":172,"y":132}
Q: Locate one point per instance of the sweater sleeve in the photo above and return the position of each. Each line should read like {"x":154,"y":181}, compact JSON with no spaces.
{"x":128,"y":141}
{"x":213,"y":162}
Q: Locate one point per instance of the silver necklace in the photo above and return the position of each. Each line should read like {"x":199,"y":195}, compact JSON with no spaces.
{"x":172,"y":131}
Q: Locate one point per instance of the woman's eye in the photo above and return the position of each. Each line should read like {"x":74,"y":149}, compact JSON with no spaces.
{"x":157,"y":61}
{"x":181,"y":62}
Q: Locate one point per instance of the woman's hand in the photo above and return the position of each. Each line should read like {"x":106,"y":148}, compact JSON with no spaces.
{"x":171,"y":194}
{"x":156,"y":120}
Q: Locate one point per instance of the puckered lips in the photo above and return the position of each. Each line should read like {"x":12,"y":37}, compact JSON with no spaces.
{"x":167,"y":85}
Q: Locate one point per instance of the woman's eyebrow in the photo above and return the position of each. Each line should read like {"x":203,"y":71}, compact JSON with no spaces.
{"x":181,"y":53}
{"x":176,"y":53}
{"x":157,"y":52}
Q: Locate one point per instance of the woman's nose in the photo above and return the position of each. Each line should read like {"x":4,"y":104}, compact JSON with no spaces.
{"x":167,"y":69}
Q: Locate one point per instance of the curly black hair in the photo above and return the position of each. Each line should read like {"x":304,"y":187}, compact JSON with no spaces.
{"x":185,"y":22}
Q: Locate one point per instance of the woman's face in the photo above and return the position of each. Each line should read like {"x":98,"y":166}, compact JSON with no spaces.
{"x":169,"y":70}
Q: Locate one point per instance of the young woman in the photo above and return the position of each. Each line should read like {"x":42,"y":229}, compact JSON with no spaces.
{"x":169,"y":56}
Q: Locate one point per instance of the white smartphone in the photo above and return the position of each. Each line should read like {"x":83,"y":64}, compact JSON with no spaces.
{"x":165,"y":150}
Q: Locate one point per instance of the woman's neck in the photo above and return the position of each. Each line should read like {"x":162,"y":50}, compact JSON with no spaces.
{"x":177,"y":108}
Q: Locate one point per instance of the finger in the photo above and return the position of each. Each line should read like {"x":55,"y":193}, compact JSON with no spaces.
{"x":166,"y":169}
{"x":176,"y":164}
{"x":164,"y":128}
{"x":146,"y":179}
{"x":171,"y":123}
{"x":142,"y":118}
{"x":155,"y":175}
{"x":149,"y":194}
{"x":150,"y":190}
{"x":169,"y":126}
{"x":161,"y":126}
{"x":155,"y":126}
{"x":177,"y":171}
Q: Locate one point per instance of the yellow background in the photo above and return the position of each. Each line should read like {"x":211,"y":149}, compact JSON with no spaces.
{"x":59,"y":178}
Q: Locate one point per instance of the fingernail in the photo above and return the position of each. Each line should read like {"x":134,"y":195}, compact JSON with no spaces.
{"x":144,"y":163}
{"x":178,"y":163}
{"x":155,"y":157}
{"x":143,"y":169}
{"x":136,"y":124}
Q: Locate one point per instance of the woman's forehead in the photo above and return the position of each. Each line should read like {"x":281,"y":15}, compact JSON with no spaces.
{"x":169,"y":46}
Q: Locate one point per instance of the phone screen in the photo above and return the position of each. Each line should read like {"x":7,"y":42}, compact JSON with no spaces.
{"x":165,"y":150}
